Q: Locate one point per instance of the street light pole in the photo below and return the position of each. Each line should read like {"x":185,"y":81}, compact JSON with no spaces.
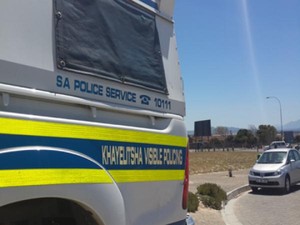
{"x":282,"y":138}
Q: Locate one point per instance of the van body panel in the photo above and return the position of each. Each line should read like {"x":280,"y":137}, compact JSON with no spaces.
{"x":116,"y":146}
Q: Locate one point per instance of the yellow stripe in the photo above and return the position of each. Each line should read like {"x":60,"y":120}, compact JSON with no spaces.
{"x":31,"y":177}
{"x":124,"y":176}
{"x":38,"y":177}
{"x":62,"y":130}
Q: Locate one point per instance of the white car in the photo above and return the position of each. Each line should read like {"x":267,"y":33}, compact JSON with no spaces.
{"x":276,"y":168}
{"x":275,"y":144}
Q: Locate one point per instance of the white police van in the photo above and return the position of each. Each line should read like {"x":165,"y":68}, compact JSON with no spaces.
{"x":91,"y":114}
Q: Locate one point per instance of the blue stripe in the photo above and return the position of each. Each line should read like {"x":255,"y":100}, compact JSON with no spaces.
{"x":150,"y":3}
{"x":34,"y":159}
{"x":181,"y":222}
{"x":91,"y":148}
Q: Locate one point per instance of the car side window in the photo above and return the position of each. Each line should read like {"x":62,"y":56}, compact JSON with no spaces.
{"x":297,"y":155}
{"x":291,"y":156}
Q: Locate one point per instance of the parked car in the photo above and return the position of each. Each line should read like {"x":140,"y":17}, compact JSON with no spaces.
{"x":277,"y":144}
{"x":276,"y":168}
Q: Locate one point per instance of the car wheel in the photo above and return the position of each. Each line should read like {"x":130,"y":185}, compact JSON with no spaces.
{"x":287,"y":185}
{"x":254,"y":189}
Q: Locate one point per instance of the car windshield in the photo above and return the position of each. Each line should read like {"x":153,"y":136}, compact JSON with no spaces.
{"x":272,"y":157}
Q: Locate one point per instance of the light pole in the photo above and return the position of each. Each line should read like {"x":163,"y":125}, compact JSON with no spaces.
{"x":280,"y":114}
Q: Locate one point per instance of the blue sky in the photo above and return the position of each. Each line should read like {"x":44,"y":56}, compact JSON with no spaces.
{"x":235,"y":53}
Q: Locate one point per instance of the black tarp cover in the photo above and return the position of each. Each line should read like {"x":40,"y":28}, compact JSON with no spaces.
{"x":111,"y":39}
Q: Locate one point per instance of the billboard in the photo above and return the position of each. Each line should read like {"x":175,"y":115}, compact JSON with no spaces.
{"x":202,"y":128}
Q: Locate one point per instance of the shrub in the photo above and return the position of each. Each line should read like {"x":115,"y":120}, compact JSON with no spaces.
{"x":193,"y":202}
{"x":210,"y":202}
{"x":211,"y":195}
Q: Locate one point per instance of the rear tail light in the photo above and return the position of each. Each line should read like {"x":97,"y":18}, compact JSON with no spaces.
{"x":186,"y":181}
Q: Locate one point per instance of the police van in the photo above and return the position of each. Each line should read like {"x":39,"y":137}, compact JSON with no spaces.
{"x":91,"y":114}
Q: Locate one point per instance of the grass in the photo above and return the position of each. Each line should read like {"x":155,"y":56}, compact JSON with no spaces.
{"x":206,"y":162}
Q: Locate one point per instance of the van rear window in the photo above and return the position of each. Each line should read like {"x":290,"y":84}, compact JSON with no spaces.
{"x":112,"y":39}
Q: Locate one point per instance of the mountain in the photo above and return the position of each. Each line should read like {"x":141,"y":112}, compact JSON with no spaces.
{"x":231,"y":130}
{"x":292,"y":126}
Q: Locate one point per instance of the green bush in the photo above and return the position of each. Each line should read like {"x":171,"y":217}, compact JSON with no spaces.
{"x":193,"y":202}
{"x":211,"y":195}
{"x":211,"y":202}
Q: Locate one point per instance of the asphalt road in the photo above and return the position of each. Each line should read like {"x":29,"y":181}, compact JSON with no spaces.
{"x":267,"y":207}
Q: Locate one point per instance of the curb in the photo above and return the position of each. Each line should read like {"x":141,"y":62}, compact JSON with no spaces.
{"x":227,"y":213}
{"x":235,"y":193}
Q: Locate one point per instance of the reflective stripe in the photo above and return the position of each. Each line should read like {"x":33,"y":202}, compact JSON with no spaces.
{"x":63,"y":130}
{"x":38,"y":177}
{"x":66,"y":135}
{"x":124,"y":176}
{"x":33,"y":177}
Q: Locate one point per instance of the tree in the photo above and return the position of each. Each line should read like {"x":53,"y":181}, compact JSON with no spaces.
{"x":253,"y":129}
{"x":245,"y":138}
{"x":222,"y":131}
{"x":215,"y":143}
{"x":230,"y":141}
{"x":266,"y":134}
